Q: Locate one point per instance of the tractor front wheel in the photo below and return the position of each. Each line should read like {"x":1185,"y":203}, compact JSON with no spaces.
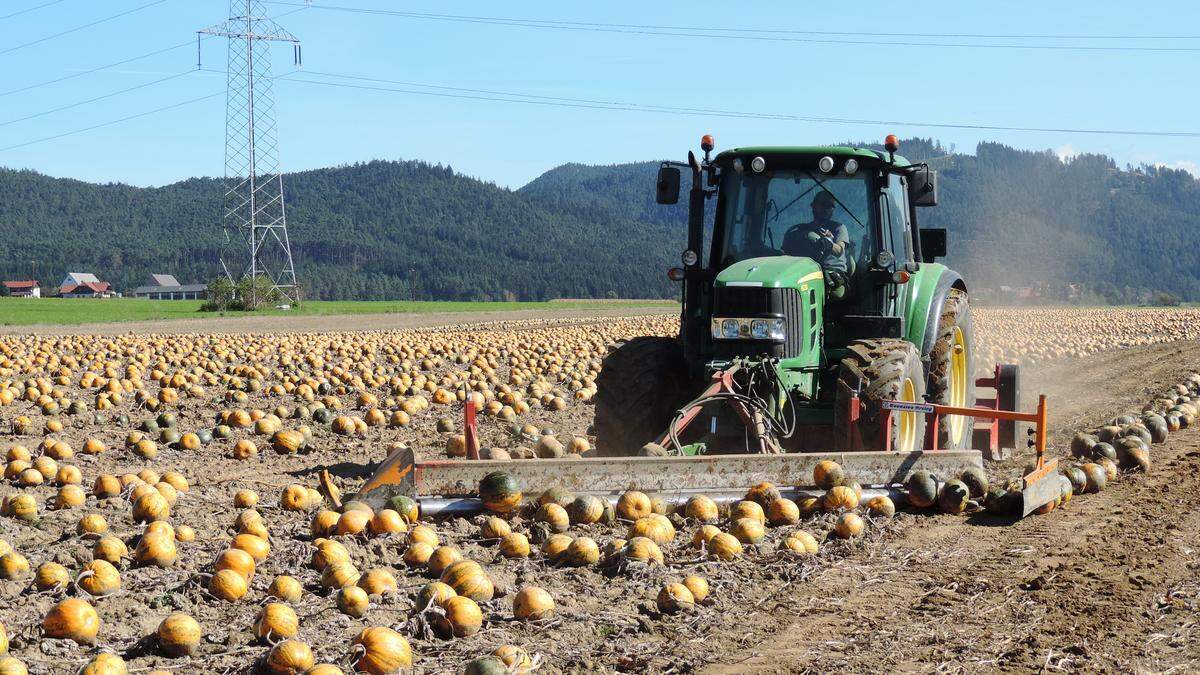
{"x":951,"y":380}
{"x":642,"y":383}
{"x":881,"y":370}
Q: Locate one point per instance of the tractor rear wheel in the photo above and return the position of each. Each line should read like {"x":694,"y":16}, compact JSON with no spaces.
{"x":882,"y":370}
{"x":951,"y":380}
{"x":642,"y":383}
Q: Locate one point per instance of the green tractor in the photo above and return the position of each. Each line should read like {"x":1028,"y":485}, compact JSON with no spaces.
{"x":818,"y":305}
{"x":817,"y":327}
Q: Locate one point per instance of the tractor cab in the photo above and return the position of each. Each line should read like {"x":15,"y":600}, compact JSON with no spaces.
{"x":843,"y":218}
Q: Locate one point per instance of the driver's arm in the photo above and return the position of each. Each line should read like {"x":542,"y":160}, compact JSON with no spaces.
{"x":841,"y":239}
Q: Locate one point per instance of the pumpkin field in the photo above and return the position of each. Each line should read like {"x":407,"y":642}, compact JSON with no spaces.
{"x":161,"y":512}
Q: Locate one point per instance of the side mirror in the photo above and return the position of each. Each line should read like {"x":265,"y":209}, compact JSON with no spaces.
{"x":922,"y":187}
{"x":933,"y":243}
{"x":667,"y":187}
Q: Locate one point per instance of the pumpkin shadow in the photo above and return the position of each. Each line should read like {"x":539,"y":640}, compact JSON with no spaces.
{"x":341,"y":470}
{"x":985,"y":519}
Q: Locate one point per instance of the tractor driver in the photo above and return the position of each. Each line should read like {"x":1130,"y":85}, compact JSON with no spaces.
{"x":824,"y":240}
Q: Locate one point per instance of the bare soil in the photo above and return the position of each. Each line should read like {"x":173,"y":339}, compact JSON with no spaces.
{"x":1107,"y":583}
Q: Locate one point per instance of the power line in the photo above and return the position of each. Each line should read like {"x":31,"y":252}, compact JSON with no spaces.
{"x":769,"y":35}
{"x":112,"y":122}
{"x":31,"y":9}
{"x":114,"y":64}
{"x":79,"y":28}
{"x":492,"y":95}
{"x":97,"y":98}
{"x":97,"y":69}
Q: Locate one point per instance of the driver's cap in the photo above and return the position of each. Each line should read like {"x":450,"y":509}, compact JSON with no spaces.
{"x":823,"y":198}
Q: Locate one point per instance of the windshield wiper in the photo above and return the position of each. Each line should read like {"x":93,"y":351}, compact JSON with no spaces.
{"x":839,"y":202}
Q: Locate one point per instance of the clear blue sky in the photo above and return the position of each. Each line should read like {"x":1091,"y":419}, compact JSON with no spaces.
{"x":511,"y":143}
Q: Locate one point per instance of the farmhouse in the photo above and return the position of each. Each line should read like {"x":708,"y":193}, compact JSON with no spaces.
{"x":84,"y":285}
{"x":24,"y":289}
{"x":167,"y":287}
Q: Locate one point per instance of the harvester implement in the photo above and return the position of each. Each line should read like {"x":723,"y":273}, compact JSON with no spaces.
{"x":448,"y":486}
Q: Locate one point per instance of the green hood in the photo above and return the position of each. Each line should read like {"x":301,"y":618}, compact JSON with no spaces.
{"x":773,"y":272}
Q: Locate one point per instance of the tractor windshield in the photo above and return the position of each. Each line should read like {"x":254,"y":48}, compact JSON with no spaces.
{"x":796,"y":212}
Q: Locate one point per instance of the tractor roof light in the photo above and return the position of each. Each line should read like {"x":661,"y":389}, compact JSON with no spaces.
{"x":825,"y":164}
{"x":758,"y":164}
{"x":851,"y":166}
{"x":891,"y":143}
{"x":706,"y":143}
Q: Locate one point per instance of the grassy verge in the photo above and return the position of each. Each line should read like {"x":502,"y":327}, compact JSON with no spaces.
{"x":56,"y":311}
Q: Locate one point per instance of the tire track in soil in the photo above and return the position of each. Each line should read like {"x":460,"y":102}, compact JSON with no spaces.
{"x":1107,"y":583}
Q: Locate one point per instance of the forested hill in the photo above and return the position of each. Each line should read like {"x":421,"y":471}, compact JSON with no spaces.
{"x":397,"y":230}
{"x":379,"y":230}
{"x":1015,"y":218}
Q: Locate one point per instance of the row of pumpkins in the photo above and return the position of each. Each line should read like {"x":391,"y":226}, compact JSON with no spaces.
{"x":518,"y":369}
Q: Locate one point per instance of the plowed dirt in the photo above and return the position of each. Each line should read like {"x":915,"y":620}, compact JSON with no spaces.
{"x":1107,"y":583}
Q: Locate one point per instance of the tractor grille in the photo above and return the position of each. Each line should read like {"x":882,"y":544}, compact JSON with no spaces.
{"x":752,"y":302}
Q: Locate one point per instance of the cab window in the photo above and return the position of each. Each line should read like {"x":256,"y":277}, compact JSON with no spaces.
{"x":898,"y":234}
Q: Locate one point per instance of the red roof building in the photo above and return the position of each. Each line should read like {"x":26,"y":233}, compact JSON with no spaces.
{"x":88,"y":289}
{"x":24,"y":289}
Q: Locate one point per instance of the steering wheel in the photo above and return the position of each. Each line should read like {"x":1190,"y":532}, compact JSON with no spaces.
{"x":823,"y":244}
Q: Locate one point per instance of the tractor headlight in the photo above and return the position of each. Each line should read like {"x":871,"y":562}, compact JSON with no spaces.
{"x":758,"y":164}
{"x":767,"y":329}
{"x":729,"y":329}
{"x":851,"y":166}
{"x":825,"y":164}
{"x":749,"y":329}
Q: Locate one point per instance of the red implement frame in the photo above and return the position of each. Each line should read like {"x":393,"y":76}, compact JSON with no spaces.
{"x":1038,"y":419}
{"x":723,"y":382}
{"x":470,"y":429}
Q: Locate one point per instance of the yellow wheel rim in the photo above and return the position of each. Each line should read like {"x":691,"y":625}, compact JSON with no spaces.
{"x":959,"y":373}
{"x":906,"y":437}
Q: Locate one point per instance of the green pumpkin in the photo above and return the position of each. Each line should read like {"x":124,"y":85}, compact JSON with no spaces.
{"x":1157,"y":426}
{"x":976,"y":481}
{"x":1105,"y":450}
{"x":122,"y":420}
{"x":499,"y":492}
{"x":205,"y":436}
{"x":922,"y":489}
{"x":1077,"y":477}
{"x":166,"y":420}
{"x":322,"y":415}
{"x":169,"y":436}
{"x":1139,"y":431}
{"x":222,"y":431}
{"x":405,"y":506}
{"x":953,"y":496}
{"x":1081,"y":445}
{"x":1001,"y":502}
{"x":149,"y":426}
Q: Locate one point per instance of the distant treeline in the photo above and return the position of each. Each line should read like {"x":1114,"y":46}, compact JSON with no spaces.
{"x":412,"y":230}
